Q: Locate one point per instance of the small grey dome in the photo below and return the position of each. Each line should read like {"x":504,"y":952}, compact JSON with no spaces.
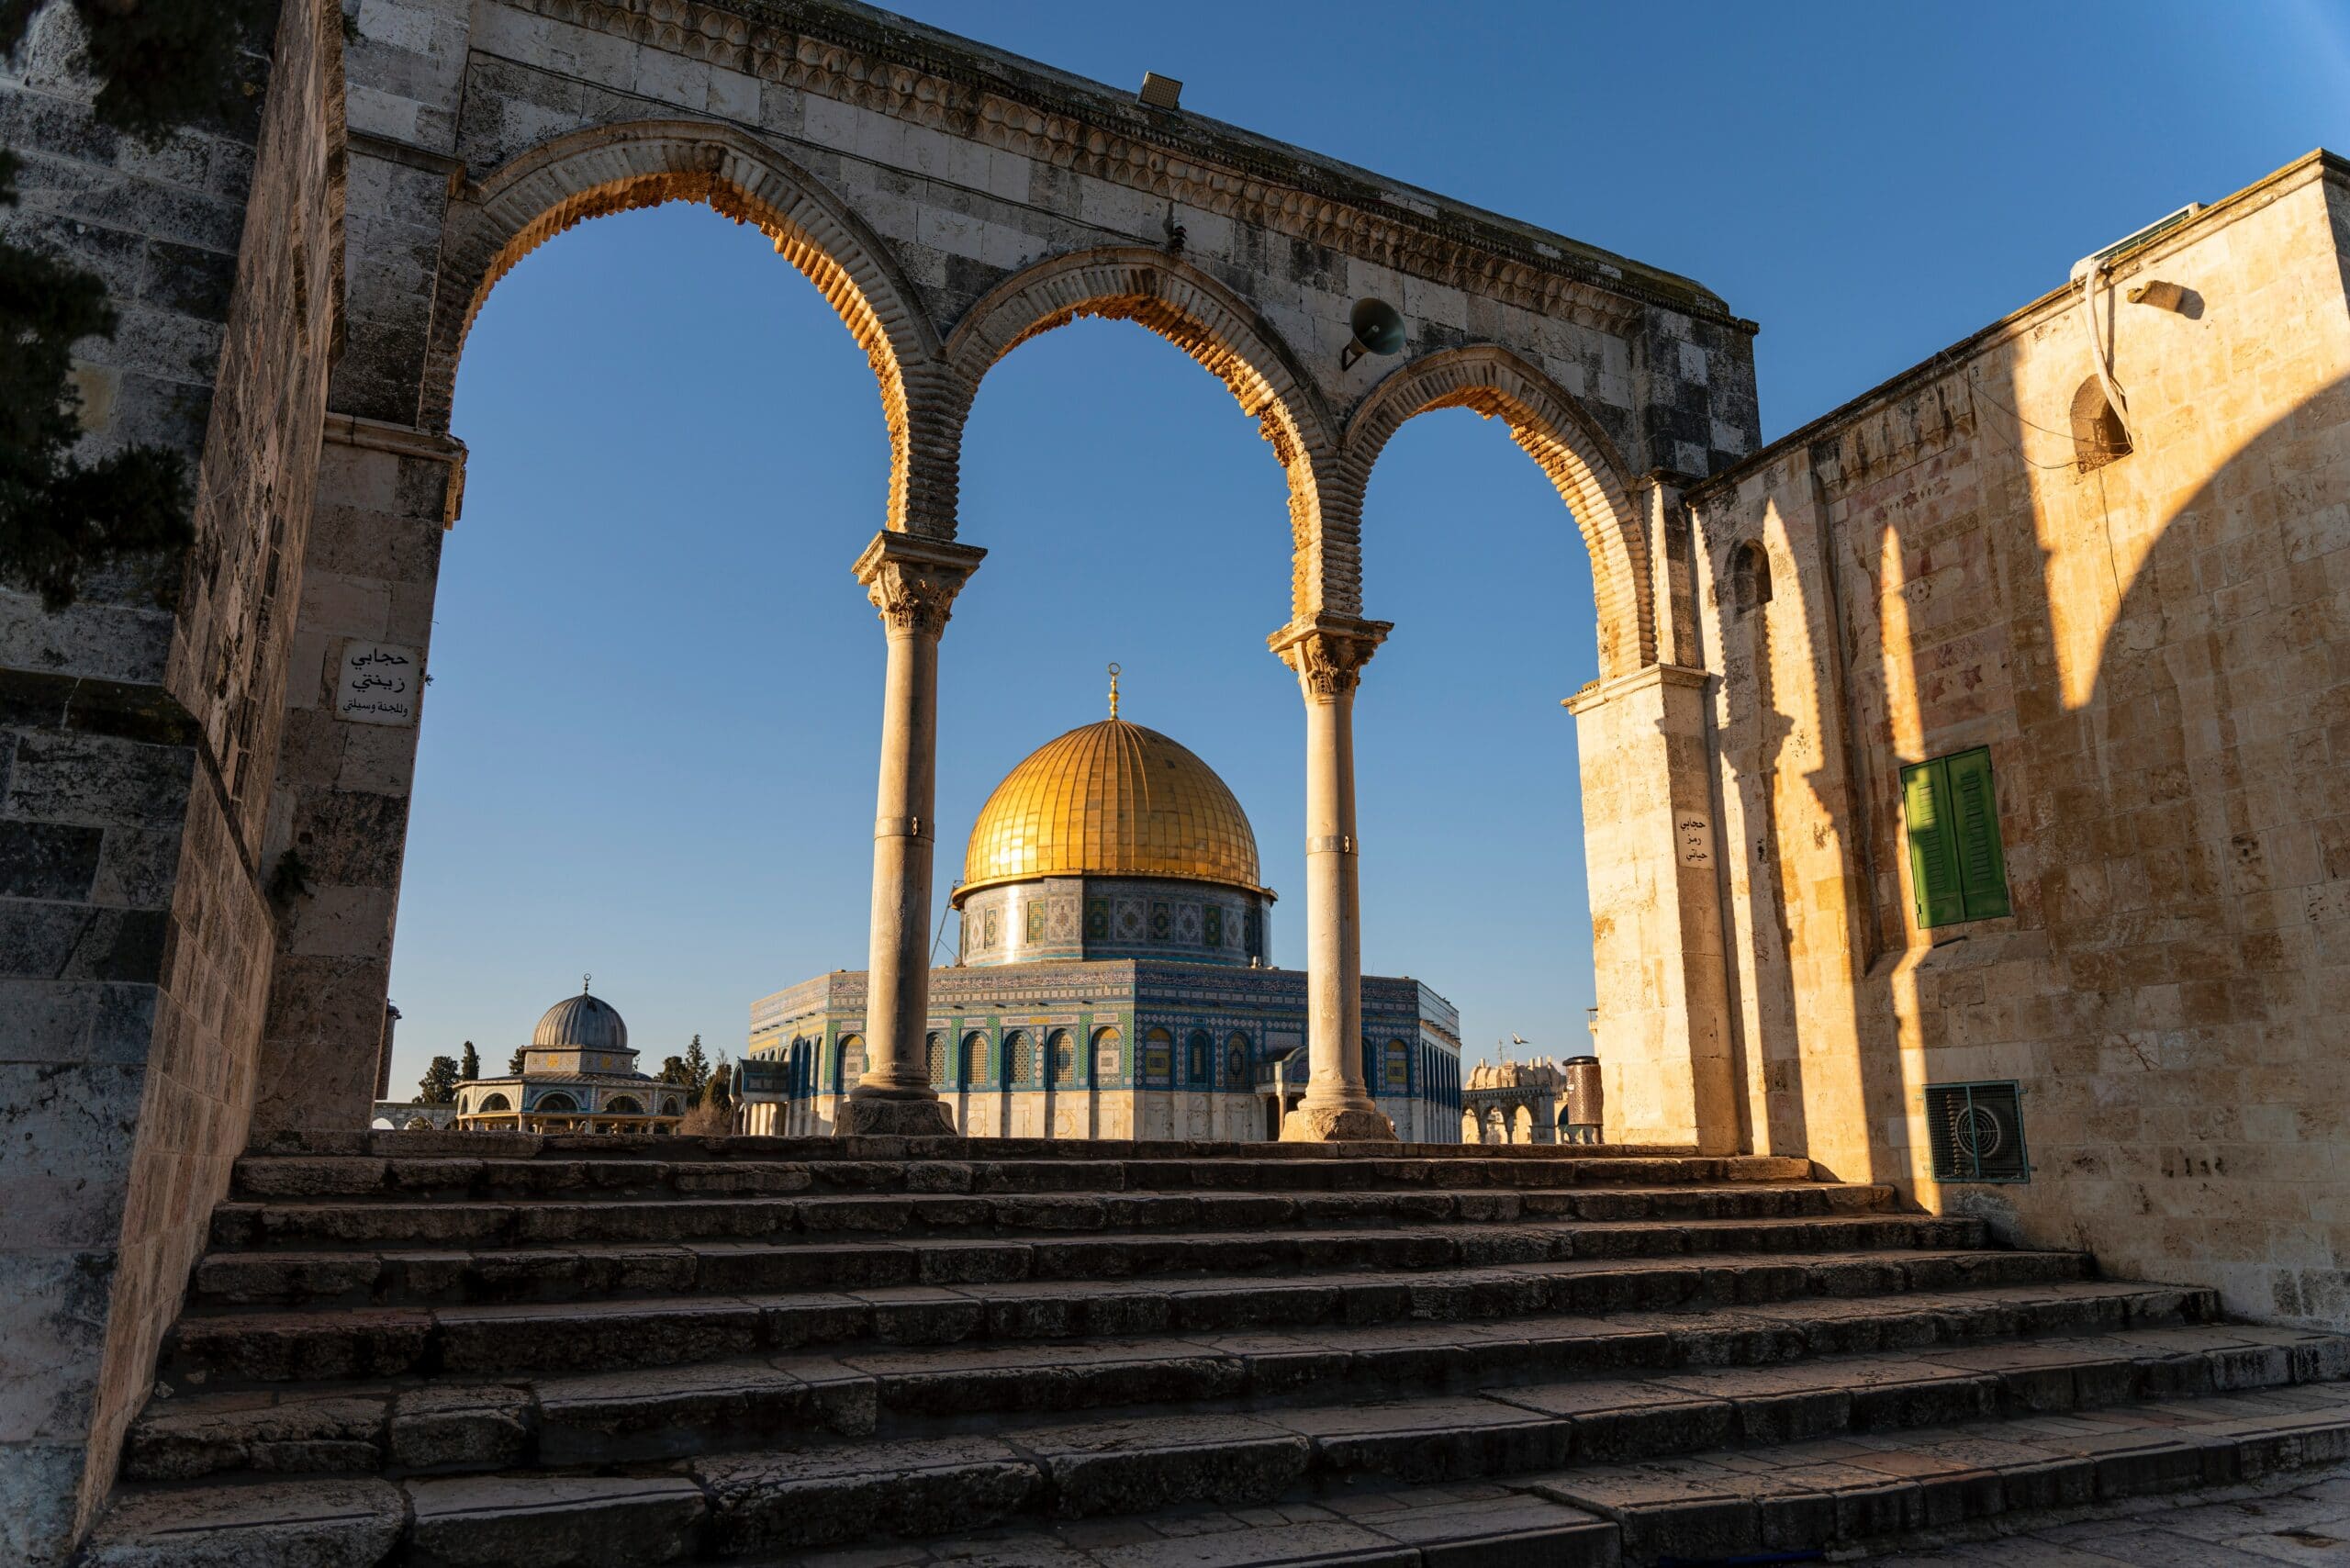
{"x":581,"y":1023}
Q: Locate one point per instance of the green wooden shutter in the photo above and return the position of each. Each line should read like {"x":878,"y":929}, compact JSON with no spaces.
{"x":1982,"y":870}
{"x":1933,"y":849}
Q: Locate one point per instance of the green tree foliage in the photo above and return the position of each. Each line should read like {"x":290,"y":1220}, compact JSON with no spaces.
{"x":697,"y":1066}
{"x":159,"y":64}
{"x":711,"y":1111}
{"x":673,"y":1070}
{"x":439,"y":1083}
{"x":514,"y":1062}
{"x":471,"y":1068}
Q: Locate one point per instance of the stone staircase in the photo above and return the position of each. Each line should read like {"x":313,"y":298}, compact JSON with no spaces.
{"x":498,"y":1350}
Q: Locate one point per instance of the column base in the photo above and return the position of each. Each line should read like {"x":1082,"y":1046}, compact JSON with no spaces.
{"x":1337,"y":1124}
{"x":877,"y":1117}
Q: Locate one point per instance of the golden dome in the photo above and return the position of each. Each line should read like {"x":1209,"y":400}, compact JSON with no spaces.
{"x":1111,"y":799}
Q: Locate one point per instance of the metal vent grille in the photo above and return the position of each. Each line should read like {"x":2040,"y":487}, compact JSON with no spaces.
{"x":1975,"y":1132}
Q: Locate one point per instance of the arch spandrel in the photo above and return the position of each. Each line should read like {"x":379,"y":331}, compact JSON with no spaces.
{"x":1545,"y":419}
{"x":1207,"y":321}
{"x":492,"y":225}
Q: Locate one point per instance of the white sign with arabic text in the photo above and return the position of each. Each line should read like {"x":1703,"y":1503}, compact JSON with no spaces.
{"x":379,"y":683}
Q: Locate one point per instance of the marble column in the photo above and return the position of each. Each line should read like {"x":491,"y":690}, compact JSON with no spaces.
{"x":912,"y":582}
{"x":1328,"y":651}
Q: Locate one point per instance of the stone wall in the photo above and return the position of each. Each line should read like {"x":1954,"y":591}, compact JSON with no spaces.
{"x":2156,"y":652}
{"x":139,"y":736}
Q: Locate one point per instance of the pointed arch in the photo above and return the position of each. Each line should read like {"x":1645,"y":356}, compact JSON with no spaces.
{"x":1544,"y":420}
{"x":1207,"y":321}
{"x":594,"y":172}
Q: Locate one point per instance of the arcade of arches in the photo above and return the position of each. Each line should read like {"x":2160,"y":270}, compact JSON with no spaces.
{"x":1978,"y":745}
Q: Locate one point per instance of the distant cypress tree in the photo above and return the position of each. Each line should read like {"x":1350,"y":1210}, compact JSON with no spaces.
{"x":720,"y":1092}
{"x":514,"y":1062}
{"x":471,"y":1068}
{"x":439,"y":1083}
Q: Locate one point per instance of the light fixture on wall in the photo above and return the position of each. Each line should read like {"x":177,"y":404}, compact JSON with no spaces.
{"x":1378,"y":328}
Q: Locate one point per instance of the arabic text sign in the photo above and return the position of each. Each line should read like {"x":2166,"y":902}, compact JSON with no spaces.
{"x":379,"y":683}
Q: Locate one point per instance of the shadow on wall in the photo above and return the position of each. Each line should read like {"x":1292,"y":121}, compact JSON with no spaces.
{"x":1770,"y":1062}
{"x":2171,"y":986}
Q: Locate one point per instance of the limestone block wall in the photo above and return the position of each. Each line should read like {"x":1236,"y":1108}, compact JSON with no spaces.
{"x":139,"y":734}
{"x":2156,"y":652}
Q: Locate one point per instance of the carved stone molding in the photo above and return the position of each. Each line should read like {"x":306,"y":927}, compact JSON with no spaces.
{"x":1328,"y":651}
{"x":406,"y":441}
{"x":912,"y":581}
{"x":913,"y":78}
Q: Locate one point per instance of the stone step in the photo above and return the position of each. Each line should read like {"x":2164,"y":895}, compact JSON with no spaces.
{"x":387,"y":1282}
{"x":275,"y":1347}
{"x":997,"y":1277}
{"x":1840,"y":1496}
{"x":1855,"y":1491}
{"x":454,"y":1271}
{"x":479,"y":1174}
{"x":508,"y":1384}
{"x":786,"y":1223}
{"x":1879,"y":1443}
{"x":248,"y":1228}
{"x":425,"y":1143}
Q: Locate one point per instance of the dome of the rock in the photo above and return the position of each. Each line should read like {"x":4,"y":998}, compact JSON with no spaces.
{"x":1111,"y":798}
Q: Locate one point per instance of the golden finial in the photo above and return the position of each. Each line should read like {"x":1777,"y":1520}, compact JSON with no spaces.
{"x":1114,"y":691}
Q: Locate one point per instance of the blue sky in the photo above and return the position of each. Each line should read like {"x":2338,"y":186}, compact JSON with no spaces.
{"x":649,"y":750}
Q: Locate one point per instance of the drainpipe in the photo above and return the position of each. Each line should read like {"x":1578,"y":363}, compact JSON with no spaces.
{"x":2086,"y":271}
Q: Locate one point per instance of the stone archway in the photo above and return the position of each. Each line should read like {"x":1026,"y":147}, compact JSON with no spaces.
{"x":1647,"y":788}
{"x":943,"y":239}
{"x":1200,"y":316}
{"x":594,"y":172}
{"x":1550,"y":425}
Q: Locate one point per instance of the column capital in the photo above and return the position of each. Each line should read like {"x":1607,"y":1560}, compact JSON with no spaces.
{"x":1328,"y":651}
{"x":912,"y":581}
